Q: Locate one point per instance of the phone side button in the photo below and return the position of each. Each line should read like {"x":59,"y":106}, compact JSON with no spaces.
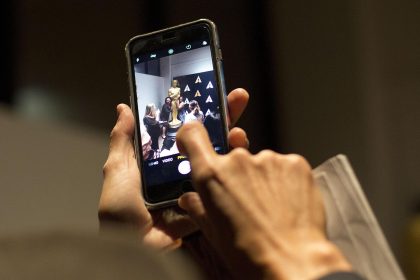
{"x":219,"y":55}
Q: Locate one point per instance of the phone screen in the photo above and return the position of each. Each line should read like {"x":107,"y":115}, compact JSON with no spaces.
{"x":175,"y":83}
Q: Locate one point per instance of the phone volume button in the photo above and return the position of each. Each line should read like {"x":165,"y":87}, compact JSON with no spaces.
{"x":219,"y":54}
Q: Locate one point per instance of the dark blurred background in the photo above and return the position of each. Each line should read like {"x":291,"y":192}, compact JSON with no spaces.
{"x":325,"y":77}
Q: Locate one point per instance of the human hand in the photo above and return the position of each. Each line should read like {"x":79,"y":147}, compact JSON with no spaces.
{"x":262,"y":213}
{"x":121,"y":201}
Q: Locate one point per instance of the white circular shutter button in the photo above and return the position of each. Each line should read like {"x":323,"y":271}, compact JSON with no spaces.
{"x":184,"y":167}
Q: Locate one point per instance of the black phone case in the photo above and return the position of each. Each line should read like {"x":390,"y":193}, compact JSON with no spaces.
{"x":217,"y":61}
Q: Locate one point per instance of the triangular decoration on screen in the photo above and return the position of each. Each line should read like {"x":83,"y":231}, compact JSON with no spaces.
{"x":201,"y":87}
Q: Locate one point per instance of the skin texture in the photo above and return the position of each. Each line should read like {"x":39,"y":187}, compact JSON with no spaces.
{"x":262,"y":212}
{"x":121,"y":205}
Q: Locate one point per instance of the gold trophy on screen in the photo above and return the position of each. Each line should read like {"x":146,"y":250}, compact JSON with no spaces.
{"x":174,"y":93}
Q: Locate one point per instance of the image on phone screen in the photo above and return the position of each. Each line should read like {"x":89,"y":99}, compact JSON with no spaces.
{"x":175,"y":85}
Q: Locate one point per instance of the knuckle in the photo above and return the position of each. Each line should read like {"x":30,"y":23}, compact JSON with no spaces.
{"x":240,"y":154}
{"x":268,"y":154}
{"x":205,"y":172}
{"x":203,"y":175}
{"x":108,"y":166}
{"x":298,"y":162}
{"x":218,"y":167}
{"x":237,"y":161}
{"x":115,"y":132}
{"x":266,"y":157}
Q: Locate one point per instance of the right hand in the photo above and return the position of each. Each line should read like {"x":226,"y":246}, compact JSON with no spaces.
{"x":262,"y":213}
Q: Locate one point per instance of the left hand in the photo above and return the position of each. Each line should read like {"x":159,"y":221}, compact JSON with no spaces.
{"x":121,"y":201}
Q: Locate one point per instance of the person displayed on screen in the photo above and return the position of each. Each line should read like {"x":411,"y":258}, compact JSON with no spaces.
{"x":169,"y":147}
{"x":164,"y":115}
{"x":182,"y":109}
{"x":152,"y":125}
{"x":195,"y":113}
{"x":212,"y":124}
{"x":146,"y":146}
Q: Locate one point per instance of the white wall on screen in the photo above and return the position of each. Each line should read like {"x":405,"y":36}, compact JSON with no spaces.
{"x":154,"y":89}
{"x":150,"y":89}
{"x":195,"y":61}
{"x":165,"y":71}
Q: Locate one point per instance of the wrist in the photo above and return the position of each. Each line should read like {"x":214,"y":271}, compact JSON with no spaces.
{"x":311,"y":260}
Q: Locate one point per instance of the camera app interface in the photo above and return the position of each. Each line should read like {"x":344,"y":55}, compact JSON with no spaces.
{"x":175,"y":86}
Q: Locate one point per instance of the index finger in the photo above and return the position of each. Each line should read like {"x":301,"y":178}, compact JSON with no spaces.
{"x":193,"y":141}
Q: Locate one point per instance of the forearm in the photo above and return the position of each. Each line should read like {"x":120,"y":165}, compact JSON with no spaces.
{"x":268,"y":254}
{"x":313,"y":261}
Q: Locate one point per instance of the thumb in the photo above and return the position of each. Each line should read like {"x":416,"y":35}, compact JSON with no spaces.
{"x":121,"y":142}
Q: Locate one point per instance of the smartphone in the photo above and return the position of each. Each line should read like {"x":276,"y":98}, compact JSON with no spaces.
{"x":175,"y":76}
